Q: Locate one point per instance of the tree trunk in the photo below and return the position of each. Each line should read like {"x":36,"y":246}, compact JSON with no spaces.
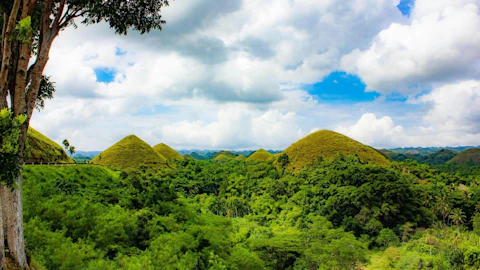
{"x":16,"y":243}
{"x":2,"y":237}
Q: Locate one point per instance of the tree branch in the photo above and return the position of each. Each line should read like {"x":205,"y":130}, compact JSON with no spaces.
{"x":56,"y":21}
{"x":7,"y":52}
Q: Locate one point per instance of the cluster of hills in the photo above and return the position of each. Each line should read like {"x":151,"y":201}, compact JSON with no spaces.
{"x":131,"y":151}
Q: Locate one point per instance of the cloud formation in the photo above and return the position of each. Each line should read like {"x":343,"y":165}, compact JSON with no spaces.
{"x":440,"y":44}
{"x":233,"y":74}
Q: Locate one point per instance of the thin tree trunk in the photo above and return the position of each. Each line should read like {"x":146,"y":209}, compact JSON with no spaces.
{"x":2,"y":237}
{"x":7,"y":51}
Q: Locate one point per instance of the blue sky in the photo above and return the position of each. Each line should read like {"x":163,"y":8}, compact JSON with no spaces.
{"x":244,"y":74}
{"x":405,"y":6}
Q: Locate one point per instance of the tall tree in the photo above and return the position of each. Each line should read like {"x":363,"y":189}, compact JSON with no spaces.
{"x":28,"y":29}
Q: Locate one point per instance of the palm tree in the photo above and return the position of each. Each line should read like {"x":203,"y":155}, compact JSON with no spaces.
{"x":457,"y":216}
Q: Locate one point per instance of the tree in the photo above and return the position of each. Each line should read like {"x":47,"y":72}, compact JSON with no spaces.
{"x":28,"y":29}
{"x":71,"y":150}
{"x":66,"y":144}
{"x":9,"y":133}
{"x":457,"y":216}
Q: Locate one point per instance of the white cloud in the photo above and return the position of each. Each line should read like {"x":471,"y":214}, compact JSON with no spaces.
{"x":236,"y":127}
{"x":454,"y":108}
{"x":380,"y":132}
{"x":230,"y":74}
{"x":452,"y":119}
{"x":440,"y":44}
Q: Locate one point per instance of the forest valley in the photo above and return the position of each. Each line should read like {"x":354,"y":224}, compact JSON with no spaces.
{"x":341,"y":213}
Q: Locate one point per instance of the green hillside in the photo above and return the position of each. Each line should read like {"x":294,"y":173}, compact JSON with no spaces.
{"x":130,"y":152}
{"x":222,"y":155}
{"x":260,"y":155}
{"x":241,"y":158}
{"x":327,"y":144}
{"x":467,"y":156}
{"x":167,"y":152}
{"x":40,"y":148}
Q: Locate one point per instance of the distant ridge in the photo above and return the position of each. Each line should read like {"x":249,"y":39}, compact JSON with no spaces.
{"x":469,"y":155}
{"x":167,"y":152}
{"x":327,"y":144}
{"x":260,"y":155}
{"x":129,"y":152}
{"x":40,"y":148}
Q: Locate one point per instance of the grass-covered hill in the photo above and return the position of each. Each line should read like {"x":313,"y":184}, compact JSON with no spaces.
{"x":130,"y":152}
{"x":167,"y":152}
{"x":40,"y":148}
{"x":241,"y":158}
{"x":260,"y":155}
{"x":224,"y":155}
{"x":468,"y":156}
{"x":325,"y":144}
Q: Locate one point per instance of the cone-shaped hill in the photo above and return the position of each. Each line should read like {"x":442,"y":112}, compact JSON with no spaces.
{"x":40,"y":148}
{"x":260,"y":155}
{"x":467,"y":156}
{"x":130,"y":152}
{"x":241,"y":158}
{"x":222,"y":155}
{"x":167,"y":152}
{"x":327,"y":144}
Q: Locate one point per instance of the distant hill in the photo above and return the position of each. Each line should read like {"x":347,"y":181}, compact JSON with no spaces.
{"x":327,"y":144}
{"x":40,"y":148}
{"x":440,"y":157}
{"x":167,"y":152}
{"x":468,"y":156}
{"x":429,"y":150}
{"x":130,"y":152}
{"x":260,"y":155}
{"x":188,"y":156}
{"x":86,"y":154}
{"x":241,"y":158}
{"x":224,"y":155}
{"x":196,"y":155}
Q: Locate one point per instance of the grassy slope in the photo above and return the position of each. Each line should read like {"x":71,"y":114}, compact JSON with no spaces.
{"x":327,"y":144}
{"x":469,"y":155}
{"x":129,"y":152}
{"x":260,"y":155}
{"x":222,"y":155}
{"x":167,"y":152}
{"x":41,"y":149}
{"x":241,"y":158}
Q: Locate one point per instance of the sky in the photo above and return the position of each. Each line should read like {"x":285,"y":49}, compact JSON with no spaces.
{"x":249,"y":74}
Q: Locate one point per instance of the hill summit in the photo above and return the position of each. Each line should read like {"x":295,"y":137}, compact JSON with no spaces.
{"x":260,"y":155}
{"x":469,"y":155}
{"x":327,"y":144}
{"x":224,"y":155}
{"x":39,"y":148}
{"x":167,"y":152}
{"x":130,"y":152}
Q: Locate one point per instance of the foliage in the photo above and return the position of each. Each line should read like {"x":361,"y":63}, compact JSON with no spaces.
{"x":167,"y":152}
{"x":47,"y":88}
{"x":40,"y":148}
{"x":260,"y":155}
{"x":130,"y":152}
{"x":343,"y":213}
{"x":9,"y":134}
{"x":326,"y":144}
